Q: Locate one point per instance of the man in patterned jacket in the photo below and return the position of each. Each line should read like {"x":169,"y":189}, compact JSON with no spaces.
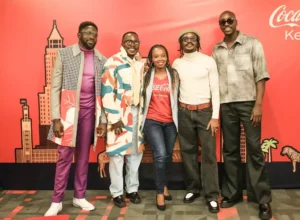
{"x":122,"y":84}
{"x":77,"y":118}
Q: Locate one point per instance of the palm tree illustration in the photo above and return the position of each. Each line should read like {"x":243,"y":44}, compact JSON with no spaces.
{"x":267,"y":146}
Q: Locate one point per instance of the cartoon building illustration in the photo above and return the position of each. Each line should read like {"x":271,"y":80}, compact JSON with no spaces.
{"x":25,"y":155}
{"x":242,"y":144}
{"x":46,"y":151}
{"x":55,"y":42}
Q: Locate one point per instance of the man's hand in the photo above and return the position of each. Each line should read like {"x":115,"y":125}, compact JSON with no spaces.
{"x":256,"y":115}
{"x":101,"y":130}
{"x":58,"y":128}
{"x":213,"y":125}
{"x":117,"y":127}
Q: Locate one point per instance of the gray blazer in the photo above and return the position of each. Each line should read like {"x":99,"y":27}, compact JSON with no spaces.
{"x":173,"y":99}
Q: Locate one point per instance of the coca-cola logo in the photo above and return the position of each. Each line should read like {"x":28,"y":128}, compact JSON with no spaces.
{"x":162,"y":87}
{"x":282,"y":17}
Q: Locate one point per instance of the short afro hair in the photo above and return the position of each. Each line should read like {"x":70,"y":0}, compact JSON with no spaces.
{"x":85,"y":24}
{"x":129,"y":32}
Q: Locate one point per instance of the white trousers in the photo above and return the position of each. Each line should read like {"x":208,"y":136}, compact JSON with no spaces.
{"x":133,"y":161}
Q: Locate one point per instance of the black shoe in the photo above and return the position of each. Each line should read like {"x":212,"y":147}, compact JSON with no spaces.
{"x":160,"y":207}
{"x":211,"y":208}
{"x":227,"y":203}
{"x":168,"y":198}
{"x":134,"y":197}
{"x":265,"y":211}
{"x":192,"y":198}
{"x":119,"y":202}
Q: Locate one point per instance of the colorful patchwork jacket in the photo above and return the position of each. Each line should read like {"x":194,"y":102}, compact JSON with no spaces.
{"x":117,"y":98}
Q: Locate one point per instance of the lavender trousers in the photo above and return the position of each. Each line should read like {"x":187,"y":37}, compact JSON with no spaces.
{"x":85,"y":132}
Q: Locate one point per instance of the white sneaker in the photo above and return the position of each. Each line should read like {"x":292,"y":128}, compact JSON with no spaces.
{"x":83,"y":204}
{"x":54,"y":209}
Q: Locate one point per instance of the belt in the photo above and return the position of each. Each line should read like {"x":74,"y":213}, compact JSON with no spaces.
{"x":195,"y":107}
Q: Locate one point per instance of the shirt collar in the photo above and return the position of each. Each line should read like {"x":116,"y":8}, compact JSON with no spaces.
{"x":124,"y":55}
{"x":239,"y":39}
{"x":191,"y":55}
{"x":76,"y":51}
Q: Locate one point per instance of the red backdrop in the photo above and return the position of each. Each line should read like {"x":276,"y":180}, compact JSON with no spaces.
{"x":25,"y":26}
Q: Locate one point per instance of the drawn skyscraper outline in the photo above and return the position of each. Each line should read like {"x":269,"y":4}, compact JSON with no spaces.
{"x":26,"y":133}
{"x":243,"y":146}
{"x":46,"y":152}
{"x":55,"y":42}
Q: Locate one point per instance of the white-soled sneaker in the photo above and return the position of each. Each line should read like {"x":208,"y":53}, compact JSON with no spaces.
{"x":83,"y":204}
{"x":54,"y":209}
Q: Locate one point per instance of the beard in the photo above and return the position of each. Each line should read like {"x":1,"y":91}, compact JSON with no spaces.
{"x":190,"y":50}
{"x":86,"y":45}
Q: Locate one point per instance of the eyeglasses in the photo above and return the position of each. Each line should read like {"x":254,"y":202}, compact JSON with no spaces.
{"x":94,"y":34}
{"x":130,"y":42}
{"x":186,"y":39}
{"x":228,"y":21}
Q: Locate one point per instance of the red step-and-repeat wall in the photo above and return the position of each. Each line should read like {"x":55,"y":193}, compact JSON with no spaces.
{"x":29,"y":27}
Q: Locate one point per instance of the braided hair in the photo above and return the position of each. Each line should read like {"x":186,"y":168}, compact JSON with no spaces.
{"x":173,"y":72}
{"x":181,"y":44}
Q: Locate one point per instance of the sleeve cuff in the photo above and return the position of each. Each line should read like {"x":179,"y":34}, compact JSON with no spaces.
{"x":215,"y":115}
{"x":265,"y":77}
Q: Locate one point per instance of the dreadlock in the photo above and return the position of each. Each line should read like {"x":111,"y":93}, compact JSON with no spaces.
{"x":181,"y":46}
{"x":173,"y":72}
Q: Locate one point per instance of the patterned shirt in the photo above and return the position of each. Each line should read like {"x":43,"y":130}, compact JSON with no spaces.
{"x":240,"y":68}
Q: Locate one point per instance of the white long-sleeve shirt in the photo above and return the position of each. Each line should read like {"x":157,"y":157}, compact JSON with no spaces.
{"x":199,"y":80}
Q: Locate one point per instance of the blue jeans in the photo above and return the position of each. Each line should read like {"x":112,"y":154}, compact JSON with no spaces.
{"x":161,"y":138}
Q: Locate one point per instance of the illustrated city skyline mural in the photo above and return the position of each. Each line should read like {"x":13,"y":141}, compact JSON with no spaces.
{"x":46,"y":151}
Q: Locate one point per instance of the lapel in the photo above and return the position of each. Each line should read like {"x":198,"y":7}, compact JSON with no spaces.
{"x":170,"y":88}
{"x":149,"y":88}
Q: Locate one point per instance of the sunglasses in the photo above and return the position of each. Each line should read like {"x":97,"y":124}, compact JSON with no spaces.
{"x":228,"y":21}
